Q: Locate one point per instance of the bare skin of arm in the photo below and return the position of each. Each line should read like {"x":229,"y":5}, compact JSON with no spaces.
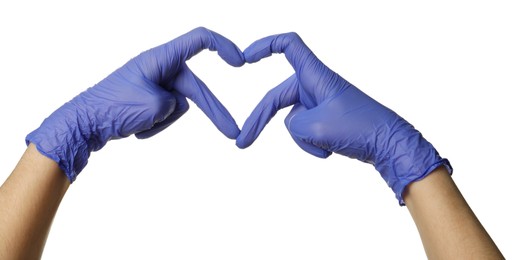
{"x":447,"y":226}
{"x":29,"y":199}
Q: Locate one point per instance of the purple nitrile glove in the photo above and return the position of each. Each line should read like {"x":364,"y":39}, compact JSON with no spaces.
{"x":331,"y":115}
{"x":143,"y":97}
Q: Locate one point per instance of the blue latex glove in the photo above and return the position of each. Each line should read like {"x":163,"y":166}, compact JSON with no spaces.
{"x":143,"y":97}
{"x":331,"y":115}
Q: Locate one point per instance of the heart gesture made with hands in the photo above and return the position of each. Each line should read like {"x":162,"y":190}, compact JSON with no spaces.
{"x":150,"y":92}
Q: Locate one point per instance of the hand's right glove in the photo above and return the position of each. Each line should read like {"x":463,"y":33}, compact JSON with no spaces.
{"x":331,"y":115}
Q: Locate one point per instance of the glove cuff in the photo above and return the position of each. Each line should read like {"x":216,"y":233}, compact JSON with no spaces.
{"x":401,"y":185}
{"x":411,"y":158}
{"x":63,"y":138}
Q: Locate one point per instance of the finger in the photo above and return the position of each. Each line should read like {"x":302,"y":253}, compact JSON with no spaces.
{"x":190,"y":86}
{"x":295,"y":50}
{"x":182,"y":107}
{"x":161,"y":64}
{"x":307,"y":147}
{"x":202,"y":38}
{"x":317,"y":81}
{"x":285,"y":94}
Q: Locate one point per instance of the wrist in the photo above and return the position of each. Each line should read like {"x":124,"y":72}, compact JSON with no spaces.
{"x":64,"y":137}
{"x":409,"y":158}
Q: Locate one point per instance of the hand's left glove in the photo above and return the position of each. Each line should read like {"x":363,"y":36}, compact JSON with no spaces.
{"x":143,"y":97}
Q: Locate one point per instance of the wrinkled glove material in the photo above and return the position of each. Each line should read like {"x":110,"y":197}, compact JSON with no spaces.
{"x":143,"y":97}
{"x":330,"y":115}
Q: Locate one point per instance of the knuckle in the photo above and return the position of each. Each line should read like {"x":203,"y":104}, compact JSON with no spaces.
{"x":200,"y":30}
{"x":293,"y":38}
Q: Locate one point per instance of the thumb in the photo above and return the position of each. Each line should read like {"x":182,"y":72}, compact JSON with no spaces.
{"x":190,"y":86}
{"x":302,"y":125}
{"x":180,"y":108}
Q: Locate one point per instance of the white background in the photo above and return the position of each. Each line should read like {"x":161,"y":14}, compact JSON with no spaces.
{"x":451,"y":68}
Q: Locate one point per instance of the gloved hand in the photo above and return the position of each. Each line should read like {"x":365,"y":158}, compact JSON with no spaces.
{"x":331,"y":115}
{"x":143,"y":97}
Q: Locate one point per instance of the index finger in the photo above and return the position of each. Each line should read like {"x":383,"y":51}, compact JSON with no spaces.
{"x":160,"y":64}
{"x":295,"y":50}
{"x":202,"y":38}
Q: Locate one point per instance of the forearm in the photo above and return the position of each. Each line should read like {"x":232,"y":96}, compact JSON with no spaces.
{"x":448,"y":227}
{"x":35,"y":188}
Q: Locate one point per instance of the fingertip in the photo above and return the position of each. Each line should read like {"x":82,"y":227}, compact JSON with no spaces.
{"x":248,"y":134}
{"x":241,"y":143}
{"x":231,"y":132}
{"x":201,"y":38}
{"x":141,"y":136}
{"x":223,"y":120}
{"x":310,"y":148}
{"x":258,"y":50}
{"x":227,"y":50}
{"x":233,"y":56}
{"x":324,"y":154}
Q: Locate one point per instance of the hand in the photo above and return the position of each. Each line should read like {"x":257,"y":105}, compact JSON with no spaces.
{"x":143,"y":97}
{"x":331,"y":115}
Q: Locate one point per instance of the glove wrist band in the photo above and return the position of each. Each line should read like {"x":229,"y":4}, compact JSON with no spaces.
{"x":63,"y":137}
{"x":411,"y":159}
